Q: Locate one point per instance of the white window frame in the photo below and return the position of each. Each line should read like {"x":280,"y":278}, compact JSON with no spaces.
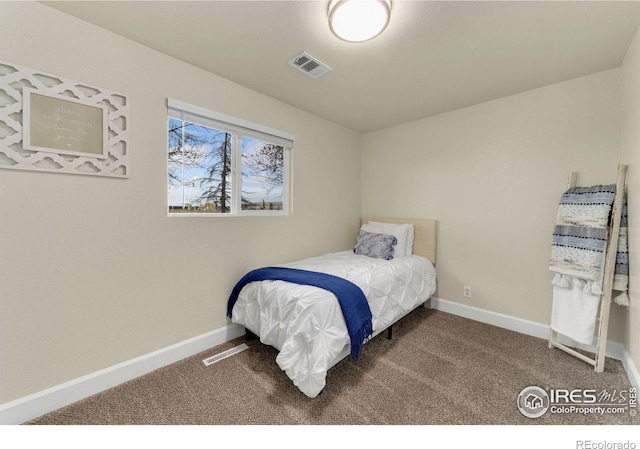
{"x":237,"y":128}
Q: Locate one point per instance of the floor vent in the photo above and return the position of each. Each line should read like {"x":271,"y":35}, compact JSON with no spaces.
{"x":309,"y":65}
{"x":223,"y":355}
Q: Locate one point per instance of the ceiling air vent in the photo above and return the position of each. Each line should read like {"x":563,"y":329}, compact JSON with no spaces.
{"x":309,"y":65}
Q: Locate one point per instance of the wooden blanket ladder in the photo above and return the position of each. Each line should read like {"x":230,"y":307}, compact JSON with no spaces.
{"x":607,"y":284}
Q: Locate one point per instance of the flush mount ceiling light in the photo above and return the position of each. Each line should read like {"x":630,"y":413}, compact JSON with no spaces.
{"x":358,"y":20}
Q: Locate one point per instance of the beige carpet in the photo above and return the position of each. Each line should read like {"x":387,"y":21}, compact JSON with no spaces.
{"x":438,"y":369}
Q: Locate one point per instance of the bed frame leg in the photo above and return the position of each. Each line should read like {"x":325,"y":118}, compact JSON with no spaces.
{"x":389,"y":332}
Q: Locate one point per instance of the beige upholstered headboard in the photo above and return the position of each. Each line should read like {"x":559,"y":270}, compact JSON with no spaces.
{"x":424,"y":243}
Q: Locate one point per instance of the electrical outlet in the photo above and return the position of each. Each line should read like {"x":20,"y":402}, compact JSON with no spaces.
{"x":467,"y":291}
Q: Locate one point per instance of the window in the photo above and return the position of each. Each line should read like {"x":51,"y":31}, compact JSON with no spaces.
{"x":221,"y":166}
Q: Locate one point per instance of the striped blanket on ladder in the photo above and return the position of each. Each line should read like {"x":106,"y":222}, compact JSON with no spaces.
{"x":580,"y":239}
{"x":621,"y":274}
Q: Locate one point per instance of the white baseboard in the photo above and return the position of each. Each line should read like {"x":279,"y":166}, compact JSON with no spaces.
{"x":632,"y":371}
{"x":496,"y":319}
{"x":32,"y":406}
{"x":615,"y":350}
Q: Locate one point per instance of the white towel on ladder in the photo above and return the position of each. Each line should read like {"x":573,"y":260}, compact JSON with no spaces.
{"x":575,"y":308}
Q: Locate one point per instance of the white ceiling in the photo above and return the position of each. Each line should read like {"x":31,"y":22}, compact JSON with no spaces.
{"x":434,"y":57}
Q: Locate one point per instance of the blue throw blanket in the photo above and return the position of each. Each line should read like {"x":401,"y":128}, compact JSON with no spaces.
{"x":352,"y":300}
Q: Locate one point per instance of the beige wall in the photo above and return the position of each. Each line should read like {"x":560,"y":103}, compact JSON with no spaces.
{"x":631,"y":156}
{"x":92,"y":272}
{"x":492,"y":174}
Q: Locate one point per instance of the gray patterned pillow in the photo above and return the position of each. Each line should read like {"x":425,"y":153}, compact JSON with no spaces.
{"x":379,"y":246}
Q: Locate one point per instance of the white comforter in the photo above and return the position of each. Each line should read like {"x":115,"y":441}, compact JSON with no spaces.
{"x":306,"y":324}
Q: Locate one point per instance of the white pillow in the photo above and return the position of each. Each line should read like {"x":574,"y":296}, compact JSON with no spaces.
{"x":398,"y":228}
{"x":402,"y":232}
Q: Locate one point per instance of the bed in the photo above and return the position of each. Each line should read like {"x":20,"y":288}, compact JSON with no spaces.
{"x":306,"y":324}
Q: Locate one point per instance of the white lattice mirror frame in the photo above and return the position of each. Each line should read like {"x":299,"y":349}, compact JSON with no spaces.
{"x":18,"y":82}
